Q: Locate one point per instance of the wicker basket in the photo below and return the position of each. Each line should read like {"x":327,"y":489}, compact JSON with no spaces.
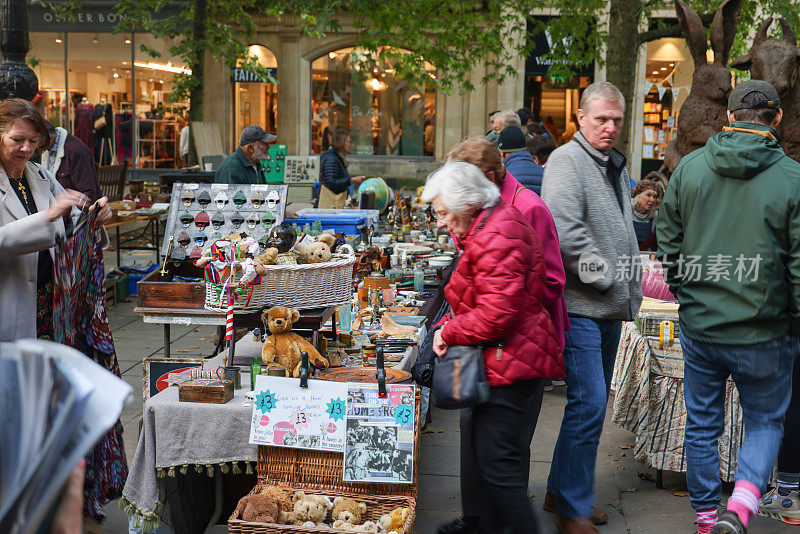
{"x":311,"y":285}
{"x":320,"y":472}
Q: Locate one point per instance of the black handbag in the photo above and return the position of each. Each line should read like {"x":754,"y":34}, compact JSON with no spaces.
{"x":459,"y":377}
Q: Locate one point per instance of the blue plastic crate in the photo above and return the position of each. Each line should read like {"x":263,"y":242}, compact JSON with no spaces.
{"x":348,"y":225}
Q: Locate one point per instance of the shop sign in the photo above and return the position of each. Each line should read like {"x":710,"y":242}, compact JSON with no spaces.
{"x":91,"y":16}
{"x":240,"y":75}
{"x":537,"y":64}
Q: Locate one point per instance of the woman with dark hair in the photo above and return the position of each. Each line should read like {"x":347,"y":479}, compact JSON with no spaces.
{"x":31,"y":215}
{"x":333,"y":171}
{"x":644,"y":201}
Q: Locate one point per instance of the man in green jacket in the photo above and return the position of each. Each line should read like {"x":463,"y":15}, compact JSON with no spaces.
{"x":244,"y":165}
{"x":729,"y":238}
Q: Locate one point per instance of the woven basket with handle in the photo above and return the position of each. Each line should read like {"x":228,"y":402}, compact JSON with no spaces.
{"x":320,"y":473}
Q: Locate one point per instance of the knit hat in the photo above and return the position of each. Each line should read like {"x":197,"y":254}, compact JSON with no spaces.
{"x":511,"y":140}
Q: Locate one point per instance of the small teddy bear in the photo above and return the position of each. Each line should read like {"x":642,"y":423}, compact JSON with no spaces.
{"x":328,"y":239}
{"x":308,"y":510}
{"x":284,"y":346}
{"x":258,"y":508}
{"x":348,"y":511}
{"x":394,"y":520}
{"x":318,"y":252}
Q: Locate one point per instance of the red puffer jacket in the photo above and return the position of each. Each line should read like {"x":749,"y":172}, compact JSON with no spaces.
{"x":496,"y":296}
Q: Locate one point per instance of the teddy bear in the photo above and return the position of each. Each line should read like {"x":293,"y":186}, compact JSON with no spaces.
{"x":348,"y":511}
{"x":269,"y":257}
{"x":307,"y":510}
{"x":394,"y":520}
{"x":258,"y":508}
{"x":318,"y":252}
{"x":368,"y":526}
{"x":328,"y":239}
{"x":284,"y":346}
{"x":282,"y":494}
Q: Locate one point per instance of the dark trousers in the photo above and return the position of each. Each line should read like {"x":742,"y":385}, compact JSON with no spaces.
{"x":495,"y":457}
{"x":789,"y":457}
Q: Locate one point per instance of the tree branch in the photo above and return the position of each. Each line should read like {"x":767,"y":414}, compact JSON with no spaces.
{"x":673,"y":30}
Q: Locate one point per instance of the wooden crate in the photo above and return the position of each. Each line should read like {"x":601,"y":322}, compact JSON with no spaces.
{"x":214,"y":392}
{"x":158,"y":290}
{"x":320,"y":472}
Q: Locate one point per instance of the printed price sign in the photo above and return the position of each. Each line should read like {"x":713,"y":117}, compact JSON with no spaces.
{"x":286,"y":415}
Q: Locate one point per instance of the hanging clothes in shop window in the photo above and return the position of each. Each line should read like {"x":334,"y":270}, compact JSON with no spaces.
{"x":80,"y":321}
{"x":84,"y":120}
{"x":124,"y":135}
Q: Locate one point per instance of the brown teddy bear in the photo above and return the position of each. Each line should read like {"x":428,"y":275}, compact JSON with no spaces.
{"x":348,"y":511}
{"x":284,"y":346}
{"x":282,"y":494}
{"x":307,"y":510}
{"x":328,"y":239}
{"x":318,"y":252}
{"x":258,"y":508}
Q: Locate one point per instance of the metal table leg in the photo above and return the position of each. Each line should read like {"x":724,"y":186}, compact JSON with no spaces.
{"x":154,"y":239}
{"x":659,"y":478}
{"x":119,"y":261}
{"x":166,"y":340}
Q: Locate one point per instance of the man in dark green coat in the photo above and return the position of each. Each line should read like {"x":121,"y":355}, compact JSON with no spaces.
{"x":729,"y":238}
{"x":244,"y":165}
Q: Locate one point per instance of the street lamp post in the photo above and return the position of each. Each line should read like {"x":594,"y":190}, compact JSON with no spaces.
{"x":17,"y":79}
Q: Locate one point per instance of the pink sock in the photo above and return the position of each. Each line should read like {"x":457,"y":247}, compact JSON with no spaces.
{"x":706,"y":519}
{"x":744,"y":500}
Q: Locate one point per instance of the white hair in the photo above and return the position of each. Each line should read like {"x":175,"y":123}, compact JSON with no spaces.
{"x":601,"y":90}
{"x":461,"y":187}
{"x":509,"y":118}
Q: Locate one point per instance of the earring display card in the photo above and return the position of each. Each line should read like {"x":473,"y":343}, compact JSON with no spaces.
{"x":275,"y":164}
{"x":199,"y":214}
{"x":301,"y":169}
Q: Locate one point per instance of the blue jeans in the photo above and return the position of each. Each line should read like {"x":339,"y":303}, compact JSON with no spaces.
{"x":589,"y":353}
{"x":762,"y":373}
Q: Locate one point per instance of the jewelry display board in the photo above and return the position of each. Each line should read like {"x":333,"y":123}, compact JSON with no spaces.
{"x":199,"y":214}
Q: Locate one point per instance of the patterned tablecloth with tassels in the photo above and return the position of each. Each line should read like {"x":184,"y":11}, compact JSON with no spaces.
{"x":648,"y":382}
{"x":191,"y":435}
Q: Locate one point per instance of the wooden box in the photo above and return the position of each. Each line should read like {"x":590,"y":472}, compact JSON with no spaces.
{"x":211,"y":391}
{"x":158,"y":290}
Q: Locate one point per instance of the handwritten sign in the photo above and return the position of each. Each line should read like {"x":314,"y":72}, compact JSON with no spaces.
{"x":286,"y":415}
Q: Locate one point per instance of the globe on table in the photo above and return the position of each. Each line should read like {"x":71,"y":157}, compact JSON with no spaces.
{"x":380,"y":188}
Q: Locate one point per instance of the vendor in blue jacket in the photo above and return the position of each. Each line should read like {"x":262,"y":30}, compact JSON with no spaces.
{"x":333,"y":175}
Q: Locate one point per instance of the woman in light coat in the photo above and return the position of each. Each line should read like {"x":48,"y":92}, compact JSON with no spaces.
{"x":32,"y":207}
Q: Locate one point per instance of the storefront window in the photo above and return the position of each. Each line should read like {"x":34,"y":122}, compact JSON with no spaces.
{"x":256,"y":102}
{"x":385,"y":115}
{"x":96,"y":68}
{"x":669,"y":78}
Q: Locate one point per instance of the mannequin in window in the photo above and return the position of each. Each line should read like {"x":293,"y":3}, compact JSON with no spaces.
{"x":103,"y":124}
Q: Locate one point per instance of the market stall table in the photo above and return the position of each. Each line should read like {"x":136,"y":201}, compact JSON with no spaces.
{"x":648,"y":382}
{"x":152,"y":227}
{"x":310,"y":320}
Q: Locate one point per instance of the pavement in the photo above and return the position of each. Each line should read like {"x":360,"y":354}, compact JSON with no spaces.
{"x":624,"y":488}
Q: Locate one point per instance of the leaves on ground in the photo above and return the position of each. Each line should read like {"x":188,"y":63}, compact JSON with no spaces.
{"x":633,"y":489}
{"x":626,"y":446}
{"x":646,"y":476}
{"x":428,"y":429}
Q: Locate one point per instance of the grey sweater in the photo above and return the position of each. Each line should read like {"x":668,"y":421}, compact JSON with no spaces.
{"x":595,"y":229}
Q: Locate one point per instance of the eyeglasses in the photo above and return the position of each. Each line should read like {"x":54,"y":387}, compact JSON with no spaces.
{"x":439,"y":216}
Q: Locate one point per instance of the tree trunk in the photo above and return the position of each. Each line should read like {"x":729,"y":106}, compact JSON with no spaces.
{"x":198,"y":66}
{"x":621,"y":61}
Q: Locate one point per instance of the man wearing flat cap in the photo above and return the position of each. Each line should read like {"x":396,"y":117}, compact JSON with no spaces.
{"x":729,"y":239}
{"x":244,"y":165}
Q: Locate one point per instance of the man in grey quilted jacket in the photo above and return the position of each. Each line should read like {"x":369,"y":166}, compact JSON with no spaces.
{"x":586,"y":188}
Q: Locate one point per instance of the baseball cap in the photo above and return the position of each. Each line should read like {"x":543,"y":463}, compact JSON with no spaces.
{"x":750,"y":86}
{"x":251,"y":134}
{"x":511,"y":140}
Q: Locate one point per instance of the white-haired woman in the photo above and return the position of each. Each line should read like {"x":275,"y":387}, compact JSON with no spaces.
{"x":496,"y":294}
